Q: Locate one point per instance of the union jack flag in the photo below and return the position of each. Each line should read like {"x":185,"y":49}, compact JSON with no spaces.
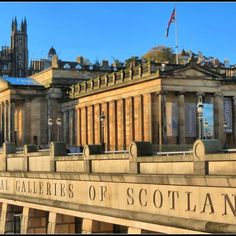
{"x":171,"y":20}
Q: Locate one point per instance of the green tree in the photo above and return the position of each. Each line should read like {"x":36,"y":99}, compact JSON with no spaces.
{"x":160,"y":54}
{"x":133,"y":61}
{"x":117,"y":63}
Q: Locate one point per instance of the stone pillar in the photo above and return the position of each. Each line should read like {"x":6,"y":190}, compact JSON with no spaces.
{"x":147,"y":117}
{"x":219,"y":117}
{"x":71,"y":127}
{"x":90,"y":125}
{"x":78,"y":124}
{"x":234,"y":120}
{"x":52,"y":222}
{"x":129,"y":120}
{"x":66,"y":126}
{"x":105,"y":109}
{"x":26,"y":122}
{"x":112,"y":125}
{"x":3,"y":217}
{"x":5,"y":121}
{"x":87,"y":226}
{"x":75,"y":131}
{"x":84,"y":124}
{"x":24,"y":221}
{"x":11,"y":121}
{"x":162,"y":118}
{"x":92,"y":226}
{"x":132,"y":230}
{"x":138,"y":118}
{"x":97,"y":125}
{"x":120,"y":125}
{"x":181,"y":119}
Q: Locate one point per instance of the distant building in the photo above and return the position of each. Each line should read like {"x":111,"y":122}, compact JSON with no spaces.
{"x":14,"y":59}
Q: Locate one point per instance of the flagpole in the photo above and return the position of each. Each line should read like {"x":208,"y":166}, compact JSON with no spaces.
{"x":176,"y":39}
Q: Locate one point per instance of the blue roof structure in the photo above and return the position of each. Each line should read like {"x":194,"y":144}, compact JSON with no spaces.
{"x":21,"y":81}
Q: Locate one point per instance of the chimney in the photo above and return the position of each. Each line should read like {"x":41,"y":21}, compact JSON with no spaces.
{"x":105,"y":64}
{"x":55,"y":61}
{"x":80,"y":60}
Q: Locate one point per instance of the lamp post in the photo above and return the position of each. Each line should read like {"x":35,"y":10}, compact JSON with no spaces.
{"x":58,"y":122}
{"x":200,"y":113}
{"x":102,"y":119}
{"x":206,"y":127}
{"x":50,"y":123}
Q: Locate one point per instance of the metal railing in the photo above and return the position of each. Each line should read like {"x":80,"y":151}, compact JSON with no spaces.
{"x":173,"y":153}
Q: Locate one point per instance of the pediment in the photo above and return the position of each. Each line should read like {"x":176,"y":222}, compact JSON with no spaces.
{"x":191,"y":72}
{"x":195,"y":71}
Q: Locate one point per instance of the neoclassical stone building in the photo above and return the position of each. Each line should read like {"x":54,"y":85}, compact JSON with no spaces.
{"x":150,"y":102}
{"x":27,"y":103}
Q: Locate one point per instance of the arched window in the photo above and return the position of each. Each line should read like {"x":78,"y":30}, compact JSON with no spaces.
{"x":78,"y":67}
{"x":66,"y":66}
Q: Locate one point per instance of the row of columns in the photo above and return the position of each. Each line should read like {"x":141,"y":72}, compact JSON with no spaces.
{"x":7,"y":121}
{"x":218,"y":102}
{"x":69,"y":128}
{"x":52,"y":221}
{"x":137,"y":118}
{"x":125,"y":120}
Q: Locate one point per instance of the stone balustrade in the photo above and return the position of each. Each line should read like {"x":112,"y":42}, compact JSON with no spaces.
{"x":207,"y":158}
{"x":114,"y":78}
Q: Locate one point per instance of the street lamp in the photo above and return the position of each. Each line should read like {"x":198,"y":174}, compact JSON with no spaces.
{"x":206,"y":127}
{"x":102,"y":119}
{"x":225,"y":126}
{"x":200,"y":113}
{"x":50,"y":123}
{"x":58,"y":122}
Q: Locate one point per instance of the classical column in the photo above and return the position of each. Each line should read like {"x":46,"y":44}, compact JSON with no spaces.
{"x":66,"y":126}
{"x":84,"y":125}
{"x":129,"y":120}
{"x":181,"y":119}
{"x":219,"y":117}
{"x":78,"y":124}
{"x":112,"y":125}
{"x":138,"y":118}
{"x":147,"y":117}
{"x":105,"y":109}
{"x":71,"y":126}
{"x":24,"y":221}
{"x":97,"y":126}
{"x":5,"y":121}
{"x":120,"y":125}
{"x":11,"y":121}
{"x":52,"y":222}
{"x":26,"y":122}
{"x":91,"y":124}
{"x":162,"y":118}
{"x":3,"y":217}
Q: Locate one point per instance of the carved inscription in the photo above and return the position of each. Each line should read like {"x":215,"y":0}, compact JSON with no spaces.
{"x":204,"y":203}
{"x":42,"y":188}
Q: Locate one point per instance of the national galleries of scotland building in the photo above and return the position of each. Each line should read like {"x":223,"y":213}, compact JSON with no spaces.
{"x":161,"y":104}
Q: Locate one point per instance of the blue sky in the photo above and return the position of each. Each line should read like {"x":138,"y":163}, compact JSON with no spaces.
{"x":107,"y":30}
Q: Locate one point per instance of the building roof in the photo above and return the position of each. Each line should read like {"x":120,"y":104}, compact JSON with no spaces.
{"x":21,"y":81}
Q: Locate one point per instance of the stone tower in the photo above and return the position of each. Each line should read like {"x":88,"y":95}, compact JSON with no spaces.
{"x":19,"y":48}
